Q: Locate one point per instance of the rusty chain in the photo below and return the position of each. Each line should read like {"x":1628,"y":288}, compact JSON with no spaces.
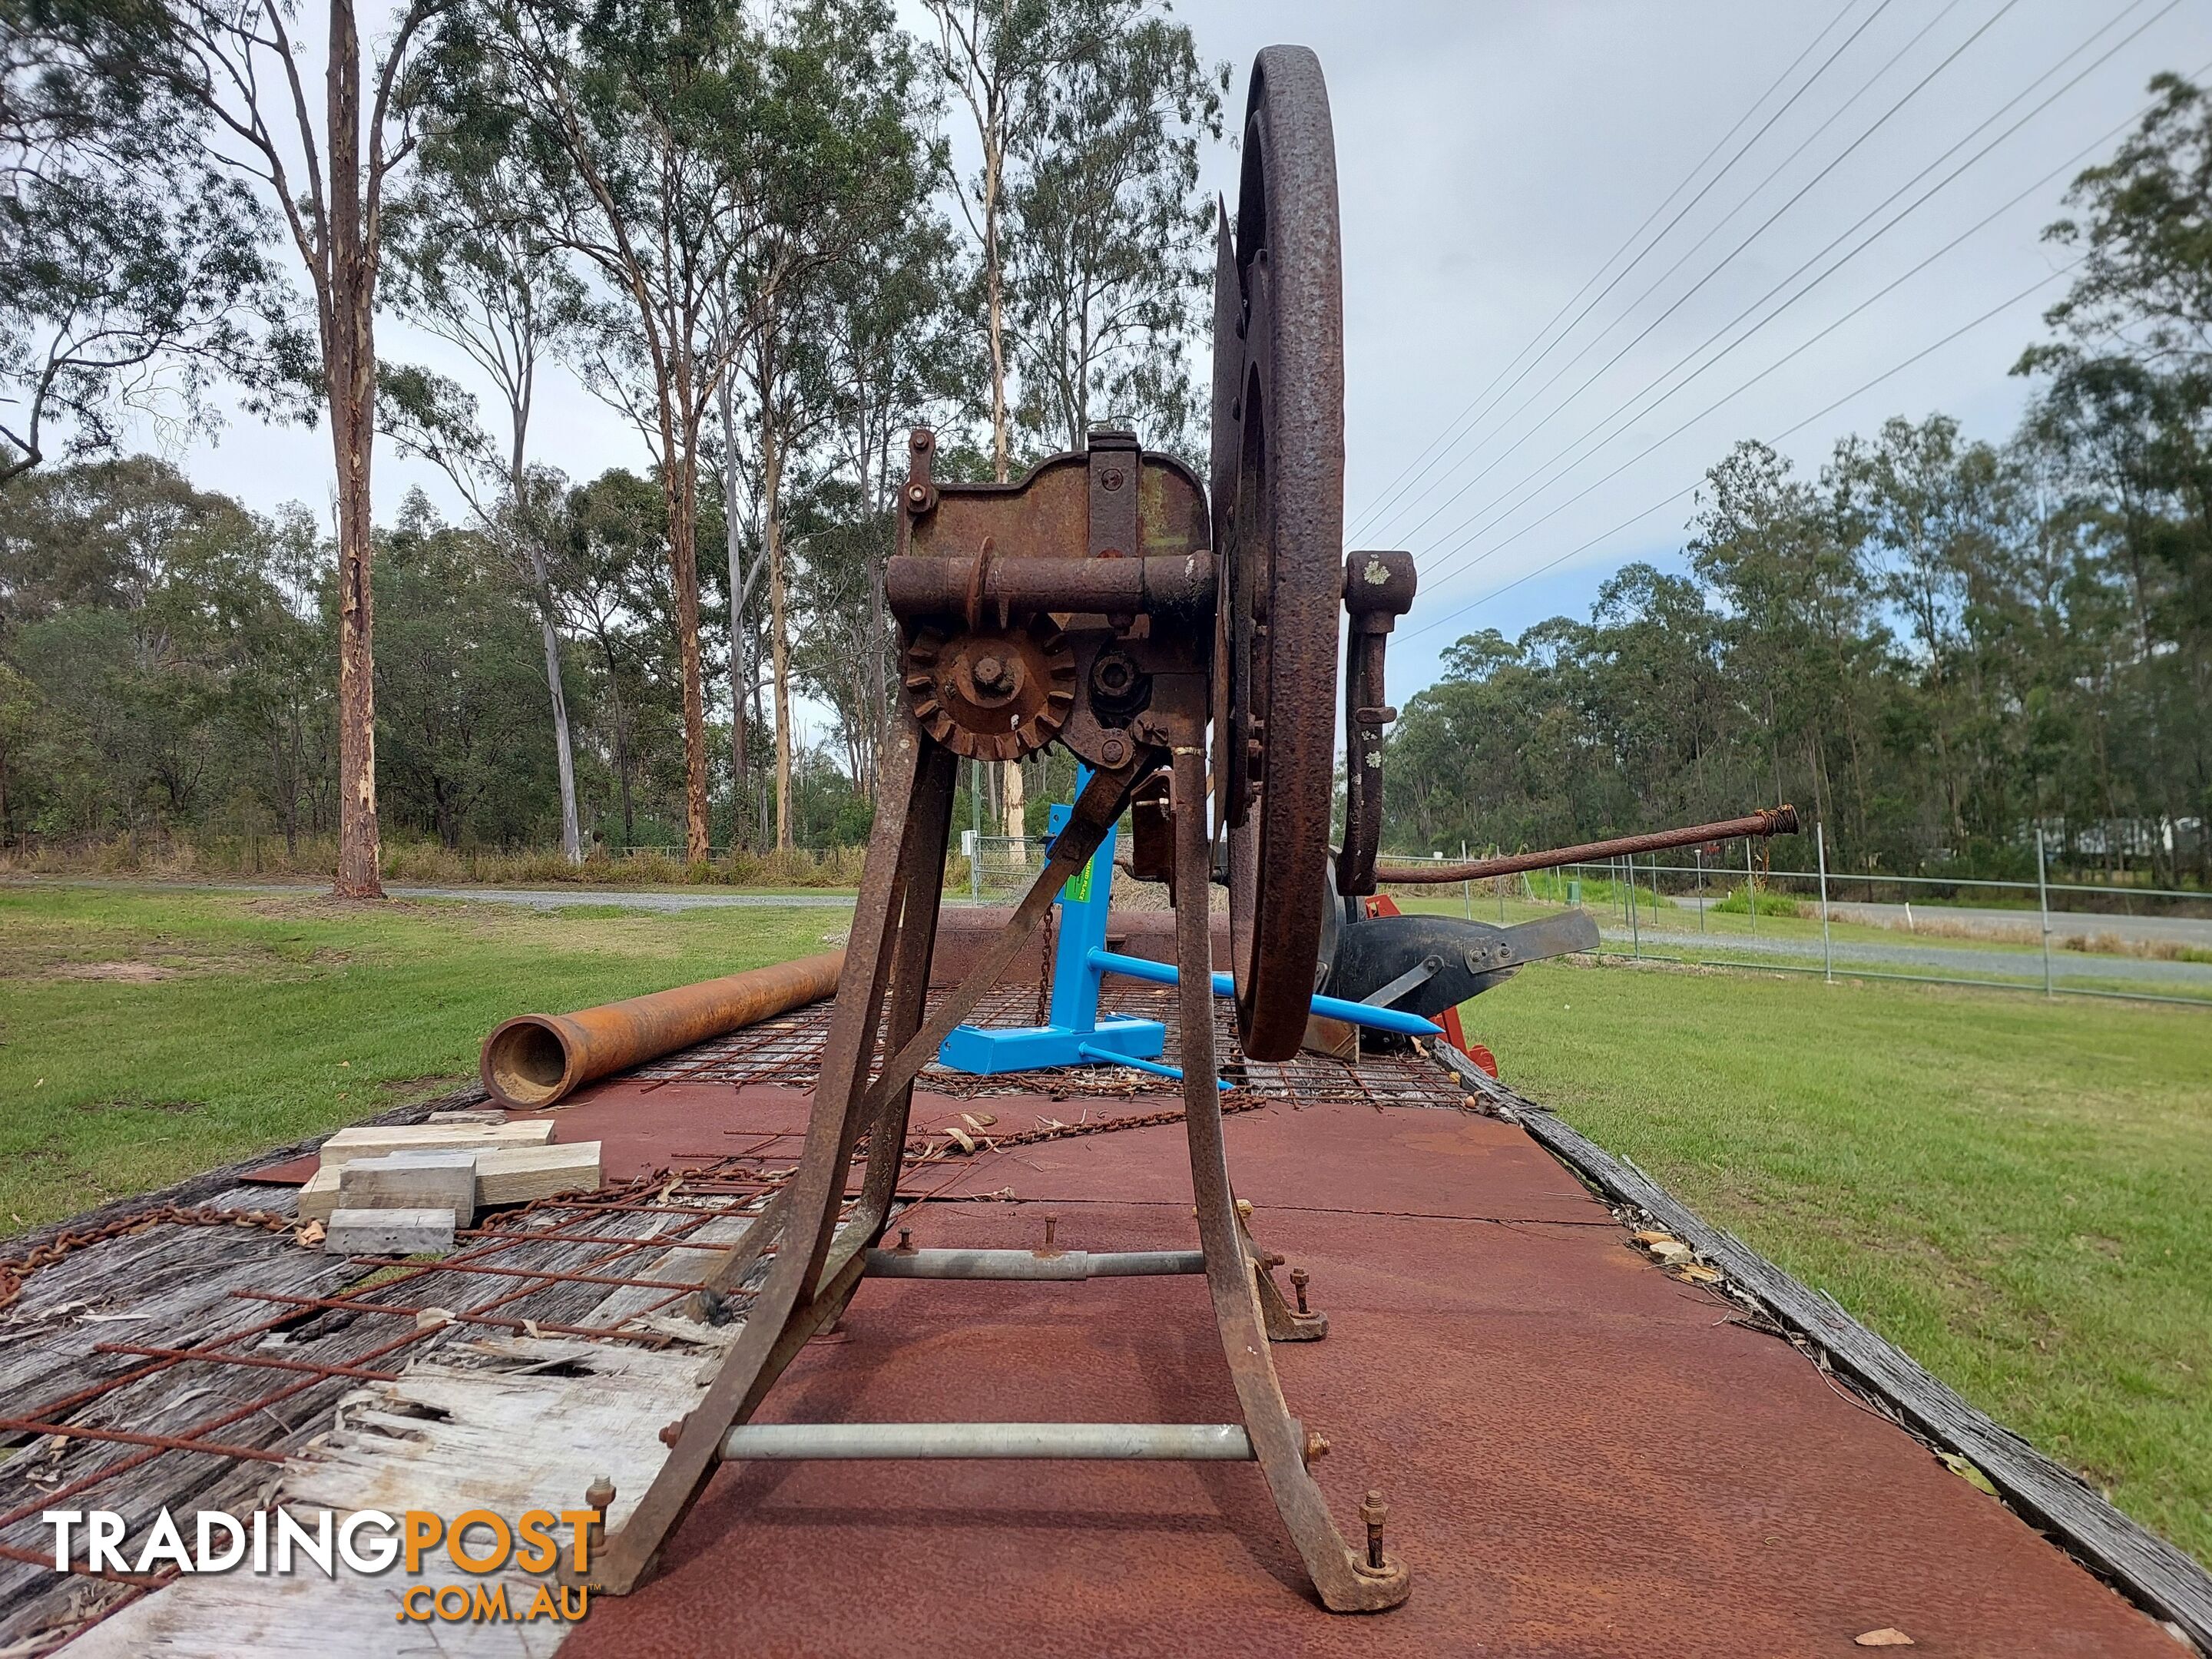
{"x":13,"y":1272}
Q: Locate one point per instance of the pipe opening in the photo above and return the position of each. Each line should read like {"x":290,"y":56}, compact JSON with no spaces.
{"x":526,"y":1062}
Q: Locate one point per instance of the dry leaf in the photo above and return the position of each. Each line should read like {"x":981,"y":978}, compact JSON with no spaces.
{"x":967,"y":1141}
{"x":978,"y":1120}
{"x":1966,"y":1472}
{"x":530,"y":1329}
{"x":1649,"y":1236}
{"x":1697,"y":1274}
{"x":311,"y":1234}
{"x":1672,"y":1250}
{"x":1887,"y":1637}
{"x":431,"y":1319}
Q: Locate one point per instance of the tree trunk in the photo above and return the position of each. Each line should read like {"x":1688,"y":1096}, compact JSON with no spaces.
{"x":779,"y":642}
{"x":350,"y":375}
{"x":1017,"y":814}
{"x":739,"y":665}
{"x":571,"y":836}
{"x":994,"y":295}
{"x":684,"y":566}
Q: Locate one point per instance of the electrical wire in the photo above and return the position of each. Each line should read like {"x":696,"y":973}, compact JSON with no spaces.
{"x":1797,"y":196}
{"x":1628,"y":412}
{"x":1688,"y":490}
{"x":1451,"y":431}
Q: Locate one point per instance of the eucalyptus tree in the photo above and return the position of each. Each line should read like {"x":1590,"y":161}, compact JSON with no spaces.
{"x":850,"y":168}
{"x":471,"y":267}
{"x":324,"y":175}
{"x":1110,"y":255}
{"x":648,"y":122}
{"x":132,"y":269}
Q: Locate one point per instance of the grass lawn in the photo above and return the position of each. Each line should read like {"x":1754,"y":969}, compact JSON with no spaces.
{"x":2014,"y":1191}
{"x":146,"y":1036}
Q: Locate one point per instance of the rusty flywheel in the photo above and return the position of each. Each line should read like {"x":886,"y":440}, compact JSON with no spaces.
{"x":992,"y":694}
{"x":1278,"y":529}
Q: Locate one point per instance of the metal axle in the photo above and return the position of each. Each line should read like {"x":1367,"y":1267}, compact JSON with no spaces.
{"x":1203,"y":1442}
{"x":1032,"y":1264}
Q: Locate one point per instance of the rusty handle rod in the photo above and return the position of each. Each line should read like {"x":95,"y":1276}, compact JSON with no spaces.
{"x":532,"y":1060}
{"x":1768,"y":821}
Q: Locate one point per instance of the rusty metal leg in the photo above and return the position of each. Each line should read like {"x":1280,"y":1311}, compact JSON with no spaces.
{"x":1344,"y":1578}
{"x":896,"y":852}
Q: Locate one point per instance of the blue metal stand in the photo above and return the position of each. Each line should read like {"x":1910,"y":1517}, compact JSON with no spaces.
{"x":1077,"y":1036}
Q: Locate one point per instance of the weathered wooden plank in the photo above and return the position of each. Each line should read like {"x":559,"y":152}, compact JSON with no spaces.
{"x":418,"y":1179}
{"x":532,"y":1429}
{"x":374,"y":1140}
{"x":520,"y":1174}
{"x":389,"y":1232}
{"x":2051,"y":1496}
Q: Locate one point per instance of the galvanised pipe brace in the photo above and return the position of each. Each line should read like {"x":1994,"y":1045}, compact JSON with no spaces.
{"x":1224,"y":985}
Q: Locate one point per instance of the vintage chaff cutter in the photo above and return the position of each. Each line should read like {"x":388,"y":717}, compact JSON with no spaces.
{"x":1098,"y":603}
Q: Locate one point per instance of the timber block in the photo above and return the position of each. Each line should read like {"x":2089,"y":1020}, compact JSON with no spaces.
{"x":389,"y":1232}
{"x":468,"y":1115}
{"x":375,"y":1141}
{"x":417,"y":1179}
{"x":517,"y":1175}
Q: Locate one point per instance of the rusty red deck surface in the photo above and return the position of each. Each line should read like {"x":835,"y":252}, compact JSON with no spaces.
{"x":1582,"y":1453}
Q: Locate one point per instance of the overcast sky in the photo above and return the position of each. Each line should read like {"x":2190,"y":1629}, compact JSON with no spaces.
{"x":1493,"y":159}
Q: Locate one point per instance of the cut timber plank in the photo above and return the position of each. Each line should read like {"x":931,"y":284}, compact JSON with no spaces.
{"x":445,"y":1439}
{"x":2051,"y":1497}
{"x":417,"y":1180}
{"x":320,"y":1196}
{"x":517,"y":1175}
{"x":373,"y":1142}
{"x":389,"y":1232}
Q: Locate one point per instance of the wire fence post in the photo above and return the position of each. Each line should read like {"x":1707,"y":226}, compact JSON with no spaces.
{"x":976,"y":829}
{"x":1750,"y":885}
{"x":1467,"y":887}
{"x":2043,"y":903}
{"x":1827,"y":948}
{"x":1700,"y":852}
{"x":1635,"y":936}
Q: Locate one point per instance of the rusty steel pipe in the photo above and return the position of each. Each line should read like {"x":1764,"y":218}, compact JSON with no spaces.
{"x":532,"y":1060}
{"x":931,"y":585}
{"x":1768,"y":821}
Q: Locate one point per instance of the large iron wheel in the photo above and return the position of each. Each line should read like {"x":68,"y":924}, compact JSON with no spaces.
{"x":1278,"y":525}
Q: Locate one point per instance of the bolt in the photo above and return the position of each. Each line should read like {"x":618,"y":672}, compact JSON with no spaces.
{"x":1272,"y":1258}
{"x":990,"y":672}
{"x":1050,"y":1222}
{"x":600,"y":1495}
{"x":1299,"y":1279}
{"x":1374,"y":1512}
{"x":906,"y":1238}
{"x":1317,"y":1447}
{"x":917,"y":496}
{"x":672,"y":1432}
{"x":1113,"y":751}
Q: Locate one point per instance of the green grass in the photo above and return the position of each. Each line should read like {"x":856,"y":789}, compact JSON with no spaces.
{"x":255,"y":1020}
{"x":2013,"y":1191}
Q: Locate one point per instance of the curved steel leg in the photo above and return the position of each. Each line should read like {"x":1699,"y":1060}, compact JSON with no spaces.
{"x":1345,"y":1582}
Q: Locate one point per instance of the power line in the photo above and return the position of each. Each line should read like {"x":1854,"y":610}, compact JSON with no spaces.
{"x":1451,"y":431}
{"x":1687,"y":489}
{"x":1797,"y":196}
{"x":1628,"y":412}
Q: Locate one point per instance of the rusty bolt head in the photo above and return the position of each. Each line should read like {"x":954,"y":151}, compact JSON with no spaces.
{"x":1051,"y":1222}
{"x":1113,"y":751}
{"x":906,"y":1238}
{"x":991,"y":673}
{"x":600,"y":1494}
{"x":917,"y":496}
{"x":1373,"y":1510}
{"x":1110,"y":477}
{"x":1317,"y":1447}
{"x":670,"y":1434}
